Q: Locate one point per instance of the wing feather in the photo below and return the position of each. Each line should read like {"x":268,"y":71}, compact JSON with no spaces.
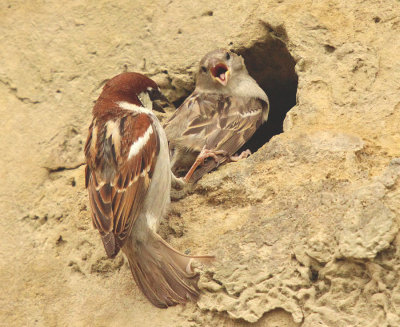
{"x":214,"y":121}
{"x":118,"y":183}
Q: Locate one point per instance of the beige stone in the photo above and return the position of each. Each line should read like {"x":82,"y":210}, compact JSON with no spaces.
{"x":305,"y":230}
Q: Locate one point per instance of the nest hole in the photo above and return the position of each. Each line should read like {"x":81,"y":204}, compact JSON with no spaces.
{"x":269,"y":62}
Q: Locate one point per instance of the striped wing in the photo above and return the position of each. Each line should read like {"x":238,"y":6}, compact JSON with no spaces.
{"x":216,"y":121}
{"x":229,"y":131}
{"x":121,"y":157}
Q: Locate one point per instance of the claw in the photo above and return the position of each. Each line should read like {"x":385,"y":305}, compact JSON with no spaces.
{"x":243,"y":155}
{"x":203,"y":155}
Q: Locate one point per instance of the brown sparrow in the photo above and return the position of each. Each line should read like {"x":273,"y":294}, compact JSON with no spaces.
{"x":218,"y":118}
{"x":128,"y":177}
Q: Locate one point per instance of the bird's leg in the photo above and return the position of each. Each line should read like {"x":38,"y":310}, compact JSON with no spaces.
{"x":177,"y":182}
{"x":203,"y":155}
{"x":243,"y":155}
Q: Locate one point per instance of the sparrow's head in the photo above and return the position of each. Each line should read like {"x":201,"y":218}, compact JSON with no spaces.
{"x":219,"y":68}
{"x":131,"y":88}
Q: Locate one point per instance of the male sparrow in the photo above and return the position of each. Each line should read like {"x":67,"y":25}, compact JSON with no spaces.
{"x":128,"y":177}
{"x":218,"y":118}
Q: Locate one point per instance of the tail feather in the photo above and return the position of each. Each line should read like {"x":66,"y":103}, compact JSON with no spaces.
{"x":147,"y":281}
{"x":110,"y":245}
{"x":164,"y":275}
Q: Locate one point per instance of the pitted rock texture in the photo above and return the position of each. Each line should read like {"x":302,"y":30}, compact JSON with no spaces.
{"x":305,"y":231}
{"x":287,"y":253}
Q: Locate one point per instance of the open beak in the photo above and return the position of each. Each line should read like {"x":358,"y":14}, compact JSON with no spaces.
{"x":220,"y":73}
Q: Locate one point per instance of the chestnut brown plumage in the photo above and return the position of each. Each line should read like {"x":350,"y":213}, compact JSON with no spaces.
{"x":128,"y":177}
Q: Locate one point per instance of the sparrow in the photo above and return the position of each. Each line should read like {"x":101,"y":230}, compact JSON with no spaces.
{"x":128,"y":178}
{"x":218,"y":118}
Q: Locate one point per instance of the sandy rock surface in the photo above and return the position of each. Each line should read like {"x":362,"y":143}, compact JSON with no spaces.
{"x":306,"y":230}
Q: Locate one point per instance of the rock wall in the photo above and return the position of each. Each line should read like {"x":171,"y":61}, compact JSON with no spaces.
{"x":305,"y":230}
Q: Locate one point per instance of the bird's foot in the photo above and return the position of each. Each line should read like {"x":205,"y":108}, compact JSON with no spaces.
{"x":177,"y":183}
{"x":203,"y":155}
{"x":243,"y":155}
{"x":179,"y":188}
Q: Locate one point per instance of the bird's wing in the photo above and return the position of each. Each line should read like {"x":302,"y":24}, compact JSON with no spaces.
{"x":234,"y":124}
{"x":121,"y":155}
{"x":187,"y":126}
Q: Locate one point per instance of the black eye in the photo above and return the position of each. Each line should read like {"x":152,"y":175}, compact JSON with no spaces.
{"x":204,"y":69}
{"x":228,"y":56}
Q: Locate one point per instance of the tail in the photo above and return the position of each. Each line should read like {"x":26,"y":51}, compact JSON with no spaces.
{"x":164,"y":275}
